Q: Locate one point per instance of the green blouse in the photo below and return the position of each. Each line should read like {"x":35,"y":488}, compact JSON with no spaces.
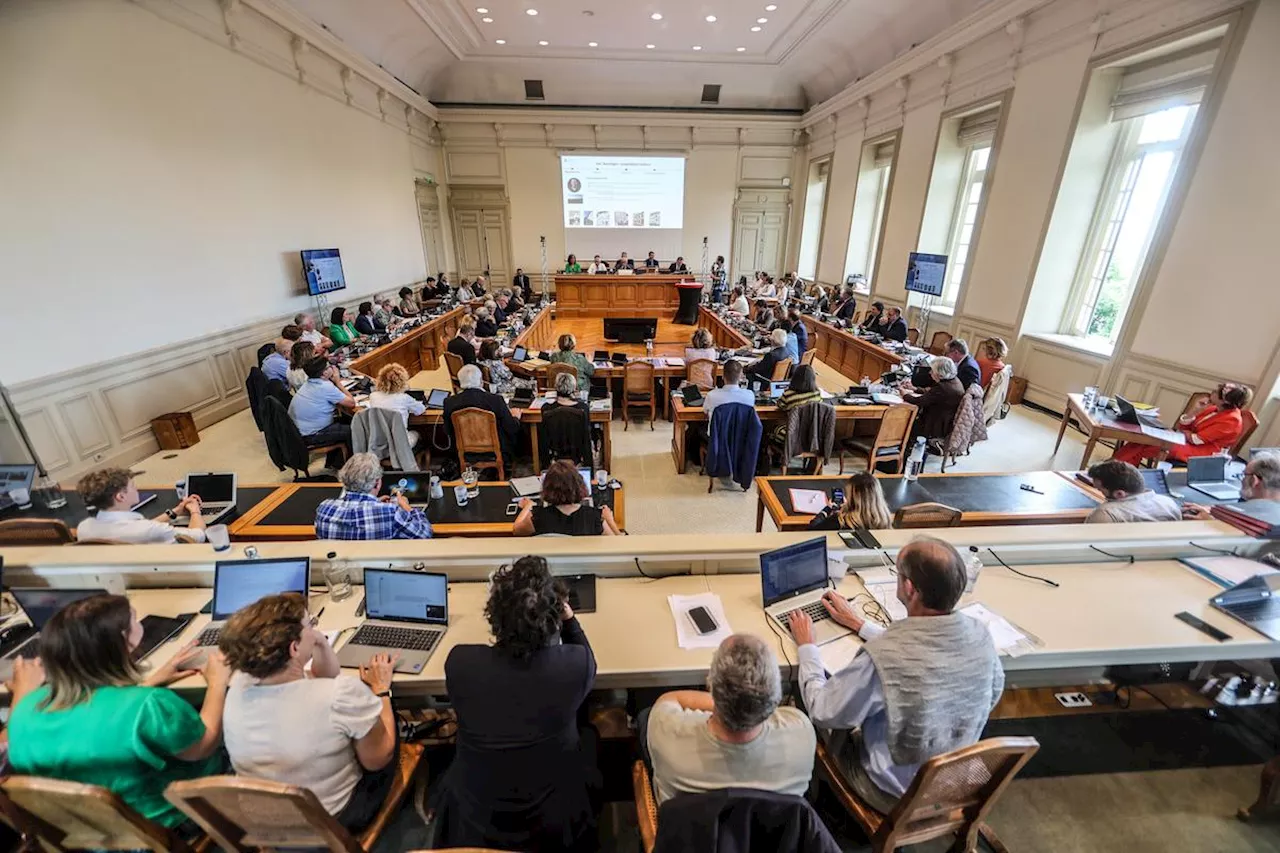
{"x":344,"y":334}
{"x":572,"y":268}
{"x":579,"y":363}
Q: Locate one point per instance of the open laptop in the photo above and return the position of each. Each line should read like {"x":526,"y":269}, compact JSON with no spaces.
{"x":692,"y":395}
{"x":1208,"y":476}
{"x":39,"y":605}
{"x":414,"y":485}
{"x":435,"y":400}
{"x":15,"y":477}
{"x":620,"y":359}
{"x":217,"y":496}
{"x":1256,"y":603}
{"x":239,"y":583}
{"x":600,"y":358}
{"x":408,"y":613}
{"x":794,"y":578}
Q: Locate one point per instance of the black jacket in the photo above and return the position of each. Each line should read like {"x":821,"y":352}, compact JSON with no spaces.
{"x":968,"y":372}
{"x":565,"y":434}
{"x":848,"y":310}
{"x":486,"y":329}
{"x":474,"y":398}
{"x":895,"y":331}
{"x":462,"y":347}
{"x":938,"y":407}
{"x":520,"y":283}
{"x":367,"y":324}
{"x":763,"y":369}
{"x":741,"y":820}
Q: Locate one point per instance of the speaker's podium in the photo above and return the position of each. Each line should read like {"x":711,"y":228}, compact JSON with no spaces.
{"x":690,"y":295}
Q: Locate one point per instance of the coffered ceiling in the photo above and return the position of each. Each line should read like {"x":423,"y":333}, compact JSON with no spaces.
{"x":766,"y":54}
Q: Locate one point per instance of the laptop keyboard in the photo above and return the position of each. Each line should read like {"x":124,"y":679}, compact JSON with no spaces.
{"x":815,"y":611}
{"x":1257,"y":610}
{"x":208,"y":637}
{"x":410,"y":639}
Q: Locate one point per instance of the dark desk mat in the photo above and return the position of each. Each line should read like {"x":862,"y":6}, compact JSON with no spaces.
{"x":489,"y":507}
{"x":968,"y":493}
{"x":75,"y":511}
{"x":897,"y":492}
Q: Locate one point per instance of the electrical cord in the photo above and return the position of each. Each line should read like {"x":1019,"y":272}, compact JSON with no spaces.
{"x":1128,"y":558}
{"x":1051,"y":583}
{"x":1231,"y":553}
{"x":645,"y":574}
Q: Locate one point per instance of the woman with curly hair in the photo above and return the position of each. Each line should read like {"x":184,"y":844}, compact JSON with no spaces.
{"x":331,"y":733}
{"x":519,"y":780}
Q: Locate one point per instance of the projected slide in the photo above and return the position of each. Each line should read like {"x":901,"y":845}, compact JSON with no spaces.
{"x":623,"y":192}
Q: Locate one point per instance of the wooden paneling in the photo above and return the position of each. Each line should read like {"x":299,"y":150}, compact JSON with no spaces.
{"x":847,"y":353}
{"x":616,"y":295}
{"x":474,"y":165}
{"x":88,"y":433}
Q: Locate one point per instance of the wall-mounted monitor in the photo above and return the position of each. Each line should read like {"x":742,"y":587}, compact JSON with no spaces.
{"x":926,"y":273}
{"x":323,"y":271}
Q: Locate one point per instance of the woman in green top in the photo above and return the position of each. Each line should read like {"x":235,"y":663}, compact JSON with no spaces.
{"x":98,"y":722}
{"x":572,"y":265}
{"x":803,"y":389}
{"x":341,"y":332}
{"x":567,"y":355}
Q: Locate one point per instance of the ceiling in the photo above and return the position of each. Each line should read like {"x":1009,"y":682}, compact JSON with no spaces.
{"x":802,"y":53}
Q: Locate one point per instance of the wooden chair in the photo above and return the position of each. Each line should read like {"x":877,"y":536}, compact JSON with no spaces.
{"x":244,"y":815}
{"x":1250,"y":424}
{"x":646,"y":806}
{"x":1195,"y":402}
{"x":554,"y":370}
{"x":938,"y":343}
{"x":34,"y":531}
{"x":484,"y":374}
{"x":781,"y":369}
{"x":889,"y":444}
{"x":476,"y":431}
{"x":701,"y":372}
{"x":913,"y":336}
{"x":52,"y":814}
{"x":926,"y":515}
{"x":453,"y":363}
{"x":951,"y":795}
{"x":637,"y":391}
{"x":808,"y":356}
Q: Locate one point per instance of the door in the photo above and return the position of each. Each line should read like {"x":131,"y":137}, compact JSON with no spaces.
{"x":494,"y":227}
{"x":746,"y":244}
{"x":482,"y":243}
{"x":432,"y":232}
{"x":772,"y":242}
{"x":759,"y":240}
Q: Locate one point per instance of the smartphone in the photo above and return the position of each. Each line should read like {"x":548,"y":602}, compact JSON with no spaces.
{"x":837,"y":496}
{"x":702,"y":620}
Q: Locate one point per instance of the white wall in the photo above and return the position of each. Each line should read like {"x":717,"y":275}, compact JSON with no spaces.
{"x":161,"y":186}
{"x":906,"y":204}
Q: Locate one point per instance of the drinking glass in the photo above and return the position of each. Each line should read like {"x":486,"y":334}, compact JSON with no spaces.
{"x":337,"y":577}
{"x":471,"y":479}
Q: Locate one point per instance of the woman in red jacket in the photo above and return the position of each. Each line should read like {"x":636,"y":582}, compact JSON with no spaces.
{"x":1213,"y":429}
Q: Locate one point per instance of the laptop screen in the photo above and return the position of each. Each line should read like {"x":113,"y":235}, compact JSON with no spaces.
{"x":238,"y":583}
{"x":776,"y":389}
{"x":407,"y":596}
{"x":414,"y":486}
{"x":793,"y":570}
{"x":1206,"y":469}
{"x":16,"y":477}
{"x":41,"y":604}
{"x":1156,"y":480}
{"x":521,"y":354}
{"x":212,"y":488}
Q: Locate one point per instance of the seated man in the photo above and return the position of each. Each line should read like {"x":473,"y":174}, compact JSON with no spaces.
{"x":1128,"y":498}
{"x":651,"y":262}
{"x":312,"y":408}
{"x":763,"y":369}
{"x":473,"y":396}
{"x":485,"y":326}
{"x":276,"y":364}
{"x":624,"y":263}
{"x":731,"y":392}
{"x":114,"y":494}
{"x":967,"y":369}
{"x":735,"y":735}
{"x":894,"y":327}
{"x":358,"y":513}
{"x":1259,"y":491}
{"x":919,"y":688}
{"x":500,"y":310}
{"x":306,"y":322}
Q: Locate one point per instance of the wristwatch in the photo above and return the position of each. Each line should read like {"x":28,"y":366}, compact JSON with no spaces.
{"x":172,"y":515}
{"x":384,"y":694}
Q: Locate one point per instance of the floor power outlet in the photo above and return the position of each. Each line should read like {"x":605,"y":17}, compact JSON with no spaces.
{"x":1073,"y":700}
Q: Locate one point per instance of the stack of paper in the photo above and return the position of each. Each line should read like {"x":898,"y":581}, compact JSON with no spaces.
{"x":686,"y":634}
{"x":1227,"y":571}
{"x":877,"y":575}
{"x":1008,"y":639}
{"x":675,"y":362}
{"x":809,"y":501}
{"x":887,"y":596}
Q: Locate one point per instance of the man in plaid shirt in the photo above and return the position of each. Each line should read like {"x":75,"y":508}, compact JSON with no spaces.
{"x":358,"y":513}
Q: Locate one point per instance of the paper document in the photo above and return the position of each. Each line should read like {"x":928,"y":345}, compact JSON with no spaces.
{"x":809,"y":501}
{"x":877,"y":575}
{"x":675,"y":362}
{"x":1008,"y":639}
{"x":1226,"y":571}
{"x":1169,"y":435}
{"x":601,"y":405}
{"x":838,"y":654}
{"x":687,"y":635}
{"x":539,"y":402}
{"x":887,"y":596}
{"x":885,"y":399}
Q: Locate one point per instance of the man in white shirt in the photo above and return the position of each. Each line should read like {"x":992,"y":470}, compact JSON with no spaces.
{"x":114,"y":494}
{"x":739,"y":304}
{"x":732,"y":736}
{"x":303,"y":320}
{"x":1128,"y":498}
{"x":598,"y":267}
{"x":732,"y":392}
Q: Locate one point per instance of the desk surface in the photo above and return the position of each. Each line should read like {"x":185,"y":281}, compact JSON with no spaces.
{"x":247,"y":498}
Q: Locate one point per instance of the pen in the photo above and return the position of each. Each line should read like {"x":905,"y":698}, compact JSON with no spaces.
{"x":1027,"y":487}
{"x":321,"y":613}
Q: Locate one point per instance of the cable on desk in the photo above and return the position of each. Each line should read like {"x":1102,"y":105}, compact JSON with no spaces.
{"x":644,"y":574}
{"x":1053,"y":584}
{"x":1128,"y":558}
{"x":1231,"y":553}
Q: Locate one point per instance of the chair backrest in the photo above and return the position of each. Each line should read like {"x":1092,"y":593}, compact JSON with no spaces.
{"x":913,"y":336}
{"x":1195,"y":402}
{"x":73,"y":816}
{"x":926,"y":515}
{"x":255,"y":388}
{"x":484,"y":373}
{"x":1250,"y":424}
{"x":34,"y":531}
{"x":996,"y":393}
{"x":284,"y":442}
{"x":453,"y":363}
{"x":565,"y":434}
{"x":808,"y":356}
{"x":969,"y":426}
{"x":637,"y":377}
{"x":895,"y":427}
{"x":938,"y":342}
{"x":781,"y":369}
{"x":701,"y":372}
{"x":243,"y":814}
{"x":476,"y":431}
{"x":555,"y":369}
{"x":954,"y":792}
{"x":264,"y":351}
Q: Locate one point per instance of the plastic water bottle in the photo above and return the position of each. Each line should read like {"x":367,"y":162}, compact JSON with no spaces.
{"x":972,"y":568}
{"x":915,"y":462}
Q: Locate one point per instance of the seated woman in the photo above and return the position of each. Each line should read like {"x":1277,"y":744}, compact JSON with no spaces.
{"x":408,"y":306}
{"x":864,"y":507}
{"x":802,"y":390}
{"x":366,"y":322}
{"x":330,"y":733}
{"x":389,"y":393}
{"x":98,"y":721}
{"x":566,"y":395}
{"x":991,"y":355}
{"x":571,"y":265}
{"x":299,"y":354}
{"x":568,"y":354}
{"x":701,"y":346}
{"x":341,"y":332}
{"x":939,"y":403}
{"x":1212,"y":430}
{"x":522,"y":775}
{"x":563,"y":510}
{"x":500,"y":376}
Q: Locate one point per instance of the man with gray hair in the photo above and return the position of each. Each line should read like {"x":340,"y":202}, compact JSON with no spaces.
{"x":762,"y":370}
{"x":473,"y":396}
{"x":1259,"y":492}
{"x":358,"y":513}
{"x":733,"y":736}
{"x":305,"y":321}
{"x":485,"y":326}
{"x":940,"y":401}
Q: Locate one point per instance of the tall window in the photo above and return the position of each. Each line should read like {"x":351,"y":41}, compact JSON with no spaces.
{"x":870,"y":200}
{"x":1148,"y":150}
{"x":811,"y":228}
{"x":975,"y":174}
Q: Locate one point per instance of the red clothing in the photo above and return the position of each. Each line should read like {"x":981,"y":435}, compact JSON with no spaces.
{"x":988,"y":368}
{"x":1216,"y":428}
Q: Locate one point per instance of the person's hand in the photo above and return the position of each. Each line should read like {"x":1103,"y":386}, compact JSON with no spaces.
{"x":175,"y":668}
{"x":28,"y":674}
{"x":801,"y":627}
{"x":842,"y":611}
{"x":378,"y":671}
{"x":1196,"y":512}
{"x":190,"y":505}
{"x":566,"y":612}
{"x":525,"y":503}
{"x":403,"y":502}
{"x":216,"y":671}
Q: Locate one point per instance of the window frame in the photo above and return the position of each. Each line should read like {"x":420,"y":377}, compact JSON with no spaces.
{"x":951,"y":287}
{"x":877,"y":226}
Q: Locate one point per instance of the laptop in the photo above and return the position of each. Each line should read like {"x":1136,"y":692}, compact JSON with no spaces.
{"x":692,"y":395}
{"x":776,"y":388}
{"x":1256,"y":603}
{"x":39,"y":605}
{"x":15,"y":477}
{"x":435,"y":400}
{"x":520,"y":354}
{"x":217,"y":496}
{"x":522,"y":398}
{"x":794,"y":578}
{"x":1208,"y":476}
{"x":1156,"y":480}
{"x":582,"y":592}
{"x":420,"y":396}
{"x":408,"y":613}
{"x":600,"y":358}
{"x":620,"y":359}
{"x":414,"y":485}
{"x":239,"y":583}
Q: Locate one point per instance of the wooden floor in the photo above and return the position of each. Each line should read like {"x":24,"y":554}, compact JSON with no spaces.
{"x":589,"y":331}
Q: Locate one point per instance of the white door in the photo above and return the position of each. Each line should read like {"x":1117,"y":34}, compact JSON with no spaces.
{"x":746,"y":244}
{"x":772,"y":242}
{"x":468,"y":231}
{"x":432,"y":232}
{"x":494,"y":223}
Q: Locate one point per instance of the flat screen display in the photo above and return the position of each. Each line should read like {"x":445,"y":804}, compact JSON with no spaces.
{"x":926,"y":273}
{"x":408,"y":596}
{"x":623,"y":203}
{"x":794,"y":569}
{"x":323,"y":271}
{"x":238,"y":583}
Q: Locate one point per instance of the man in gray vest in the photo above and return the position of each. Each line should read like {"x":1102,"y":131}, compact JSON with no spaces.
{"x":919,"y":688}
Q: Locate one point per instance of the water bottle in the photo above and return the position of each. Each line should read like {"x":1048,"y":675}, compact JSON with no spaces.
{"x":972,"y":567}
{"x":915,"y":462}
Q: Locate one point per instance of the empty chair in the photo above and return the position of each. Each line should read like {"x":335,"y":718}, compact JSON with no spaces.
{"x":938,"y":343}
{"x":913,"y":336}
{"x":811,"y":433}
{"x":926,"y":515}
{"x":382,"y":432}
{"x":808,"y":356}
{"x":34,"y":531}
{"x":453,"y":363}
{"x":781,"y":369}
{"x":637,"y":391}
{"x":476,"y":433}
{"x":889,"y":444}
{"x":701,"y":372}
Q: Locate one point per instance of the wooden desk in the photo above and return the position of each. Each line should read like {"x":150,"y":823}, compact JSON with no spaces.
{"x":722,"y":333}
{"x":289,"y":514}
{"x":684,"y":415}
{"x":533,"y":417}
{"x":853,"y":356}
{"x":1099,"y":424}
{"x":617,"y":295}
{"x":419,"y":349}
{"x":538,"y":335}
{"x":984,"y":499}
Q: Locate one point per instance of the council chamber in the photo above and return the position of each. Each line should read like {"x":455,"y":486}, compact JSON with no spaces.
{"x":730,"y":427}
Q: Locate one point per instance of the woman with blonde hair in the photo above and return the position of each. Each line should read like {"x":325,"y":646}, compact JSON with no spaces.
{"x":702,"y":346}
{"x":991,"y":355}
{"x":389,"y":393}
{"x":864,"y":507}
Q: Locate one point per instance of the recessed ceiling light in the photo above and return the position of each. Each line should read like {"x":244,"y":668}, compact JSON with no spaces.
{"x":500,"y":41}
{"x":770,"y":8}
{"x":762,"y":20}
{"x":487,"y":20}
{"x":531,"y":11}
{"x":482,"y":10}
{"x":697,"y":47}
{"x":741,"y":49}
{"x":755,"y":29}
{"x":544,"y":43}
{"x":711,"y":19}
{"x":650,"y":46}
{"x":593,"y":44}
{"x":657,"y":16}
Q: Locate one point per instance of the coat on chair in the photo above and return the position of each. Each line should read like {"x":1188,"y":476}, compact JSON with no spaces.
{"x":734,"y":442}
{"x":382,"y":432}
{"x":811,"y":428}
{"x":741,"y":820}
